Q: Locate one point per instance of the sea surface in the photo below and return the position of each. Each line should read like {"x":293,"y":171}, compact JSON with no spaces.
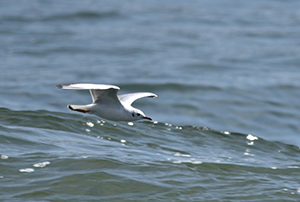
{"x":226,"y":123}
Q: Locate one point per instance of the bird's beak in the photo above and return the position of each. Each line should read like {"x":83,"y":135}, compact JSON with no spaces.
{"x":147,"y":117}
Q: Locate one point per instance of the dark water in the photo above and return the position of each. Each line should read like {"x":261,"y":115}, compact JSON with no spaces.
{"x":226,"y":121}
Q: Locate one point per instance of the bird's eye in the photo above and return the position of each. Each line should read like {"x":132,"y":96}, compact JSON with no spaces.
{"x":132,"y":114}
{"x":138,"y":114}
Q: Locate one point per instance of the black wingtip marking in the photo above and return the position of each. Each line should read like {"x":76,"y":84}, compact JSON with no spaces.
{"x":63,"y":85}
{"x":153,"y":96}
{"x":70,"y":107}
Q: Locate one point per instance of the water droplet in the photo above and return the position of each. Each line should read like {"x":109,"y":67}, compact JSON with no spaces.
{"x":41,"y":165}
{"x":274,"y":168}
{"x":251,"y":137}
{"x":100,"y":121}
{"x":3,"y":157}
{"x":248,"y":154}
{"x":26,"y":170}
{"x":90,"y":124}
{"x":177,"y":154}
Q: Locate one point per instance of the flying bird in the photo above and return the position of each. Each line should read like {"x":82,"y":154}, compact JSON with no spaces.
{"x":107,"y":103}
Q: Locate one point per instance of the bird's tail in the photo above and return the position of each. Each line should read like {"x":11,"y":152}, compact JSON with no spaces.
{"x":79,"y":108}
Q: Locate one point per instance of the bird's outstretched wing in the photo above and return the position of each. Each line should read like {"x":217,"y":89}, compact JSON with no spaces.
{"x":128,"y":99}
{"x":100,"y":93}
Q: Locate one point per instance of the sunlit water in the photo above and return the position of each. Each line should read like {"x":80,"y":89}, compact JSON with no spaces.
{"x":226,"y":122}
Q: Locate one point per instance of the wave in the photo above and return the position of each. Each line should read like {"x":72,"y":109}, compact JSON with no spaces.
{"x":162,"y":141}
{"x":89,"y":15}
{"x":61,"y":153}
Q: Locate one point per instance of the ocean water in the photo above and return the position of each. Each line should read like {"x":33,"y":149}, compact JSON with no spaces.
{"x":226,"y":120}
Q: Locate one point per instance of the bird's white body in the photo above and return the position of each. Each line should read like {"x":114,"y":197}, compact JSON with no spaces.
{"x":117,"y":113}
{"x":107,"y":104}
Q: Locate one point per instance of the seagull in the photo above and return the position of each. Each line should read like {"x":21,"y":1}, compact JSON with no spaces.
{"x":107,"y":104}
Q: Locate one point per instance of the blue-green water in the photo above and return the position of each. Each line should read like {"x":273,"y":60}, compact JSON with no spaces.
{"x":226,"y":122}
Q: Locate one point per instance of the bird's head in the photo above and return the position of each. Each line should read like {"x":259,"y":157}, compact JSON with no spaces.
{"x":138,"y":115}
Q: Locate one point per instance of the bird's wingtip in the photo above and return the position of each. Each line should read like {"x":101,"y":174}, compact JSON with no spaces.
{"x":153,"y":96}
{"x":70,"y":107}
